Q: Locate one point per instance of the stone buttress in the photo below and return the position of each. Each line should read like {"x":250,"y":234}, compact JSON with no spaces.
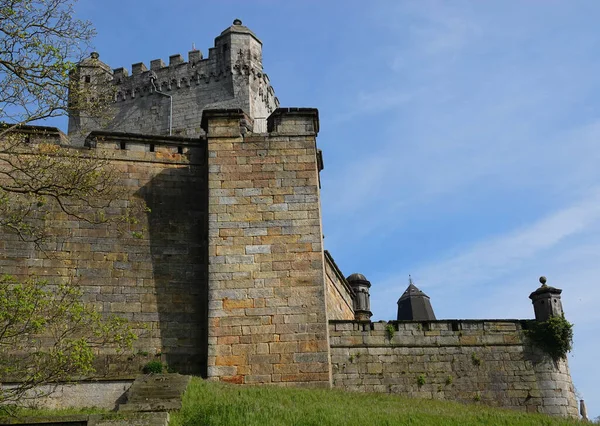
{"x":267,"y":314}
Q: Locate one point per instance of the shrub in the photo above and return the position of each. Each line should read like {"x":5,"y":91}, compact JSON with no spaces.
{"x":390,"y":331}
{"x":554,"y":336}
{"x":153,"y":367}
{"x":475,"y":359}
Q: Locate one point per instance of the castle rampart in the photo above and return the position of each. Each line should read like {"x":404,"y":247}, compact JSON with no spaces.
{"x":153,"y":273}
{"x":340,"y":303}
{"x":225,"y":276}
{"x":487,"y":361}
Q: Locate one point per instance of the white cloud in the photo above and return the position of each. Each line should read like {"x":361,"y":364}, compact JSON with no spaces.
{"x":497,"y":259}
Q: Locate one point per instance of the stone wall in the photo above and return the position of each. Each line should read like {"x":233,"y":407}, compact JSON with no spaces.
{"x":487,"y":361}
{"x":153,"y":273}
{"x":339,"y":294}
{"x":104,"y":394}
{"x":267,"y":315}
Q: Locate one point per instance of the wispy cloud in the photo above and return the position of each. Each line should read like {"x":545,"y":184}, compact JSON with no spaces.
{"x":483,"y":127}
{"x":493,"y":260}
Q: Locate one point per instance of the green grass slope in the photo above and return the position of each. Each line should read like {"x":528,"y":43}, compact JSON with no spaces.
{"x":217,"y":404}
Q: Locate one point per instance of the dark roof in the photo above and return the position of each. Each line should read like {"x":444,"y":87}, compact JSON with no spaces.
{"x":414,"y":305}
{"x":358,"y":279}
{"x":410,"y":291}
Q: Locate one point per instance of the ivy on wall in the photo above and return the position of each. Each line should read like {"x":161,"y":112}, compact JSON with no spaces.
{"x":554,"y":336}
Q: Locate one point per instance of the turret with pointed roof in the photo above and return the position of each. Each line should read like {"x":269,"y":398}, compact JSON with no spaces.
{"x":414,"y":305}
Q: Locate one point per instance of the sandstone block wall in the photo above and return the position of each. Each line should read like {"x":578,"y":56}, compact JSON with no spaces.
{"x":267,"y":312}
{"x":487,"y":361}
{"x":339,"y":294}
{"x":153,"y":273}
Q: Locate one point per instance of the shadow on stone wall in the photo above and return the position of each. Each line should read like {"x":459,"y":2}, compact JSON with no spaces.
{"x":178,"y":232}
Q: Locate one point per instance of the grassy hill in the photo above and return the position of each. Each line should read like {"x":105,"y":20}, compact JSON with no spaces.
{"x":216,"y":404}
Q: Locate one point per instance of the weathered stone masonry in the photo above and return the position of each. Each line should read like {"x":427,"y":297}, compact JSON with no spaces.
{"x":157,"y":278}
{"x":267,"y":316}
{"x":227,"y":276}
{"x":340,"y":303}
{"x":464,"y":360}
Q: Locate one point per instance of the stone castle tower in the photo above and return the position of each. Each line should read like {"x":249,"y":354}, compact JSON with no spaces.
{"x":230,"y":278}
{"x":169,"y":99}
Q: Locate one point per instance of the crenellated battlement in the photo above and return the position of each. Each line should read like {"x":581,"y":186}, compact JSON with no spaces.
{"x":185,"y":75}
{"x":168,"y":99}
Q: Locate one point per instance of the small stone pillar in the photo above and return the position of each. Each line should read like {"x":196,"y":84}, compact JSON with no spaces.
{"x":225,"y":123}
{"x":546,"y":301}
{"x":362,"y":298}
{"x":295,"y":121}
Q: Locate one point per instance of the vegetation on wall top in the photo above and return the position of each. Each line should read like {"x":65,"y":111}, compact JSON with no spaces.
{"x":554,"y":336}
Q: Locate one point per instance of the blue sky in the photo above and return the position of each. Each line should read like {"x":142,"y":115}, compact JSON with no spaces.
{"x":460,"y":139}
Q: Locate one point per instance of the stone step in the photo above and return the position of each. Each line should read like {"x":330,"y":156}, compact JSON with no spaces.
{"x":156,"y":392}
{"x":155,"y":405}
{"x":130,"y":419}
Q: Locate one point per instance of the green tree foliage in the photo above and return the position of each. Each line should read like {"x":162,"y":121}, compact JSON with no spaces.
{"x":37,"y":178}
{"x":40,"y":42}
{"x":48,"y":335}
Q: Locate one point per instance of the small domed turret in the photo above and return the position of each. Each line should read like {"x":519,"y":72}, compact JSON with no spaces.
{"x":362,"y":299}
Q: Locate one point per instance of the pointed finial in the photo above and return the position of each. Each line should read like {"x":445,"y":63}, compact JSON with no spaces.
{"x":410,"y":281}
{"x":193,"y":46}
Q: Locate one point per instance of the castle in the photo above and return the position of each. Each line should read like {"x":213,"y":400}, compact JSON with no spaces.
{"x":231,"y":280}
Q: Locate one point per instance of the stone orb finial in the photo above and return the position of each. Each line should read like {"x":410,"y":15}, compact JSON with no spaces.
{"x":237,"y":22}
{"x":543,"y":281}
{"x":94,"y":55}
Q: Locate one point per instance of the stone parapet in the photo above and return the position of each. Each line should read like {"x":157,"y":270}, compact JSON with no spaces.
{"x":152,"y":272}
{"x":294,"y":121}
{"x":487,"y":361}
{"x":339,"y":294}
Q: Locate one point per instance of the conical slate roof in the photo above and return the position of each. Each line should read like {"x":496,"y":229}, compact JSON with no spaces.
{"x":414,"y":305}
{"x":412,"y":291}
